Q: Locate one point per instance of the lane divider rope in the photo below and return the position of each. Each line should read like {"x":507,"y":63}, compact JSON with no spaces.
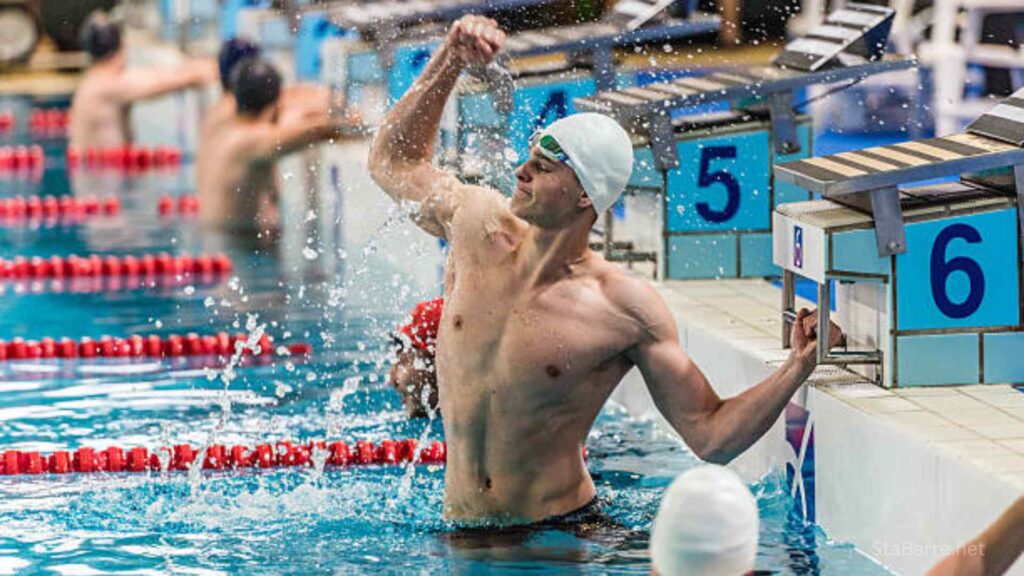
{"x":18,"y":158}
{"x":18,"y":209}
{"x":151,"y":346}
{"x":55,"y":267}
{"x":221,"y":457}
{"x":131,"y":157}
{"x":186,"y":205}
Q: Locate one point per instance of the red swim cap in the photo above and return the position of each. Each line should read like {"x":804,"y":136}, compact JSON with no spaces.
{"x":426,"y":318}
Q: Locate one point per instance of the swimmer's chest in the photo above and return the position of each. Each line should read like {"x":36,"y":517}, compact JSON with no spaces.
{"x":556,"y":335}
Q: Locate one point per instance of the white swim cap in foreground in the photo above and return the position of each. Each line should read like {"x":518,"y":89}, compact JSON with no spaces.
{"x":600,"y":153}
{"x":707,"y":525}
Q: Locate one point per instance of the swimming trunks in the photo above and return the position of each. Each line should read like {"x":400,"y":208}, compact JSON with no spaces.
{"x":589,"y":513}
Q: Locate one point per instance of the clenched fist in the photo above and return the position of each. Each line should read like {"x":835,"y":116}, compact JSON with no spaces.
{"x":804,"y":337}
{"x":475,"y":39}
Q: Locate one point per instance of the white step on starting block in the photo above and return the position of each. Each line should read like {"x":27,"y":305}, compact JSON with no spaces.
{"x":715,"y":170}
{"x":510,"y":99}
{"x":927,"y":279}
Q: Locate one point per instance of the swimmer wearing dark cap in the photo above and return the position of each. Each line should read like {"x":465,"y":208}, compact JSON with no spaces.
{"x":102,"y":102}
{"x":257,"y":122}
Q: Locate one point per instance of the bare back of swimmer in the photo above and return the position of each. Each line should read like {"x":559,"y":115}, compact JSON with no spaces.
{"x":537,"y":329}
{"x":102,"y":102}
{"x":243,"y":138}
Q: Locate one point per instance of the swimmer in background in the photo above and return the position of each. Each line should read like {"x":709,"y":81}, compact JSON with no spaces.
{"x":101,"y":106}
{"x":296,"y":100}
{"x":537,"y":329}
{"x":236,"y":173}
{"x":413,"y":374}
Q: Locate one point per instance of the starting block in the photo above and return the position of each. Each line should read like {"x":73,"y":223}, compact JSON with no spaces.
{"x":928,"y":279}
{"x":509,"y":100}
{"x":714,"y":170}
{"x":396,"y":39}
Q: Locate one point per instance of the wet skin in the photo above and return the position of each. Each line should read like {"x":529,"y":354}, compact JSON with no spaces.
{"x":102,"y":102}
{"x":236,"y":175}
{"x":537,"y":330}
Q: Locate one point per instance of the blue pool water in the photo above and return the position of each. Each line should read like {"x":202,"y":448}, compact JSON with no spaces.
{"x":344,"y":300}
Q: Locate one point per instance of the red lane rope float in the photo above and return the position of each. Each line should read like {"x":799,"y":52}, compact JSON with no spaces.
{"x":221,"y":457}
{"x":131,"y":157}
{"x":48,"y":120}
{"x":6,"y":121}
{"x":21,"y":158}
{"x":21,"y":210}
{"x":137,"y":346}
{"x":186,"y":205}
{"x":94,"y":284}
{"x":163,"y":264}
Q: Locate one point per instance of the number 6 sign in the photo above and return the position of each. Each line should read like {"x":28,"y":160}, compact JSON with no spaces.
{"x":959,"y":272}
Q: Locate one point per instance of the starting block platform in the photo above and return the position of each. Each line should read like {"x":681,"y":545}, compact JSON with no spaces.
{"x":714,"y":170}
{"x":929,"y":277}
{"x":510,"y":99}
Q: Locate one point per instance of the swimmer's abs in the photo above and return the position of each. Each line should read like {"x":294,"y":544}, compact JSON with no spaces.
{"x":529,"y":492}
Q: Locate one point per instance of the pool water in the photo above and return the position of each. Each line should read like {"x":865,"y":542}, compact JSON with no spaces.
{"x":342,"y":287}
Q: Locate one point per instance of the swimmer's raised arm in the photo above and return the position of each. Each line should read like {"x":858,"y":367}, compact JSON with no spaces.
{"x":144,"y":84}
{"x":296,"y":133}
{"x":402,"y":152}
{"x":716,"y":430}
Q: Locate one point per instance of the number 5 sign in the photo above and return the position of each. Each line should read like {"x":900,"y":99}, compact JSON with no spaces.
{"x":959,"y":272}
{"x":721,"y":183}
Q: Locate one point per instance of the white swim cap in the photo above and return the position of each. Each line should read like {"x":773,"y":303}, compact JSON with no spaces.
{"x":707,"y":525}
{"x":600,"y":153}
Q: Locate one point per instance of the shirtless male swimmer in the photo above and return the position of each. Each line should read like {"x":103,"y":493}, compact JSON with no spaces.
{"x":236,"y":173}
{"x":102,"y":102}
{"x":537,"y":329}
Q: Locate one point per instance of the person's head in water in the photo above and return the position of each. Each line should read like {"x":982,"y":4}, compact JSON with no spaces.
{"x":577,"y":168}
{"x":707,"y":525}
{"x":231,"y":53}
{"x":100,"y":36}
{"x":414,"y":374}
{"x":257,"y":87}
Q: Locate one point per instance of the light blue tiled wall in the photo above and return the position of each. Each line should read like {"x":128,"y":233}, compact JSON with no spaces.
{"x":756,"y":256}
{"x":1004,"y":358}
{"x":701,"y":256}
{"x":857,"y":251}
{"x":937,"y":360}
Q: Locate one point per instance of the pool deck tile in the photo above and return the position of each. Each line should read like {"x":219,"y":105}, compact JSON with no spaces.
{"x":982,"y":424}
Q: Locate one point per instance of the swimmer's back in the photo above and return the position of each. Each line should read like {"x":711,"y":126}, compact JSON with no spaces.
{"x":99,"y":116}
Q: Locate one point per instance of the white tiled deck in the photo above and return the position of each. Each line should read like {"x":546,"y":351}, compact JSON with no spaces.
{"x":981,"y":424}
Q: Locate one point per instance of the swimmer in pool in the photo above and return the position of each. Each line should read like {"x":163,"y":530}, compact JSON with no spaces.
{"x":235,"y":160}
{"x":296,"y":100}
{"x":537,"y":329}
{"x":413,"y":374}
{"x":103,"y":99}
{"x":707,"y":525}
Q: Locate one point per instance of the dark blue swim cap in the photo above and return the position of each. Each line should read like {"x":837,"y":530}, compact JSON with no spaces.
{"x":231,"y":53}
{"x":256,"y":84}
{"x":100,"y":37}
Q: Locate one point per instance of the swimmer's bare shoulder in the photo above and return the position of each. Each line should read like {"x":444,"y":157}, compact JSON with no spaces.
{"x":636,"y":299}
{"x":475,"y":219}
